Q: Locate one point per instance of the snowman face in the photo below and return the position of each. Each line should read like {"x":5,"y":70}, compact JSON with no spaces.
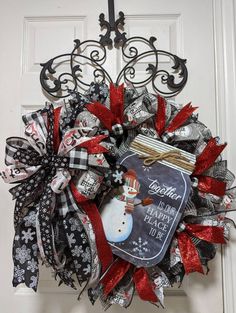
{"x":129,"y":192}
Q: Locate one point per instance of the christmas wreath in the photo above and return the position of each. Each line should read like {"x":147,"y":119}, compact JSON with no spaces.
{"x":117,"y":190}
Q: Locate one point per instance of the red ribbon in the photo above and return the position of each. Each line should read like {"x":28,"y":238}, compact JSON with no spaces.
{"x":208,"y":156}
{"x":117,"y":101}
{"x":160,"y":116}
{"x":114,"y":275}
{"x":144,"y":286}
{"x":213,"y":234}
{"x":181,"y":117}
{"x":211,"y":185}
{"x":105,"y":115}
{"x":189,"y":254}
{"x":116,"y":113}
{"x":90,"y":208}
{"x":93,"y":146}
{"x":188,"y":251}
{"x":56,"y":129}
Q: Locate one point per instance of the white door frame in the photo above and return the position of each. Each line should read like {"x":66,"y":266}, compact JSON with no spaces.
{"x":224,"y":12}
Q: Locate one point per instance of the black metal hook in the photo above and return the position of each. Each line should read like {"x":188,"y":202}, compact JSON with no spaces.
{"x":112,"y":25}
{"x":111,"y":12}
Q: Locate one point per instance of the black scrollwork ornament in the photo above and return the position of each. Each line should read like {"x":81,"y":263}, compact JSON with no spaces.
{"x":59,"y":83}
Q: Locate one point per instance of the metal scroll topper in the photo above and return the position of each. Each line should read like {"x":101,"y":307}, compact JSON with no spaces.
{"x":69,"y":73}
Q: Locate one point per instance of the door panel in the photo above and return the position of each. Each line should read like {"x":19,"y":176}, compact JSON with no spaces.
{"x":34,"y":32}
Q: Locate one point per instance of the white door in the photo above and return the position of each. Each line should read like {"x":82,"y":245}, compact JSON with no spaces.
{"x":31,"y":32}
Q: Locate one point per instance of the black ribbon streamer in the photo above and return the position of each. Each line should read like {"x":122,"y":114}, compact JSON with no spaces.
{"x":36,"y":191}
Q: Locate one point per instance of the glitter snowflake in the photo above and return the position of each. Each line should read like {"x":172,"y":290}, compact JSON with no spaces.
{"x":71,"y":239}
{"x":32,"y":265}
{"x":28,"y":235}
{"x":77,"y":251}
{"x":118,"y":176}
{"x":75,"y":224}
{"x":146,"y":168}
{"x":140,"y":246}
{"x":19,"y":274}
{"x":30,"y":219}
{"x":23,"y":254}
{"x":86,"y":255}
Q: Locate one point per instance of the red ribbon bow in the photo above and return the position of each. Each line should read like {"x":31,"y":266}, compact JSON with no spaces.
{"x":93,"y":145}
{"x":177,"y":121}
{"x":117,"y":101}
{"x":116,"y":113}
{"x":188,"y":251}
{"x":208,"y":156}
{"x":181,"y":117}
{"x":204,"y":161}
{"x":114,"y":275}
{"x":141,"y":280}
{"x":143,"y":285}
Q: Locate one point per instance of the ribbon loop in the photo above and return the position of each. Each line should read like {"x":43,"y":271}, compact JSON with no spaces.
{"x":208,"y":156}
{"x":114,"y":275}
{"x":188,"y":251}
{"x":144,"y":286}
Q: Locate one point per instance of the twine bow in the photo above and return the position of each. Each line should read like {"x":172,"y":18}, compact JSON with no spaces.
{"x":151,"y":156}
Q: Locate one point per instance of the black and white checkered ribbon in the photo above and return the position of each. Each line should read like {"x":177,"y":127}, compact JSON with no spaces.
{"x":37,"y":171}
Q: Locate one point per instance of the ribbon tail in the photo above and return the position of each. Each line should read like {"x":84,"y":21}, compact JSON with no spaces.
{"x":51,"y":129}
{"x":103,"y":114}
{"x":211,"y":185}
{"x":104,"y":250}
{"x":56,"y":129}
{"x":181,"y":117}
{"x":208,"y":156}
{"x":144,"y":286}
{"x":189,"y":254}
{"x":45,"y":235}
{"x":160,"y":115}
{"x":44,"y":227}
{"x":213,"y":234}
{"x":25,"y":251}
{"x":25,"y":194}
{"x":80,"y":241}
{"x":117,"y":101}
{"x":114,"y":275}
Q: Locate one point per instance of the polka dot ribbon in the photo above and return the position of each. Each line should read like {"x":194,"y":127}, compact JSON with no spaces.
{"x":36,"y":189}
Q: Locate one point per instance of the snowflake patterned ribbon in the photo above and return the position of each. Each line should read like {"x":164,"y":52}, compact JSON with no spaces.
{"x":50,"y":222}
{"x":44,"y":173}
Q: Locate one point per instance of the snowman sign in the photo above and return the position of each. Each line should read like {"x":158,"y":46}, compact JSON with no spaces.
{"x":118,"y":223}
{"x":140,"y":222}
